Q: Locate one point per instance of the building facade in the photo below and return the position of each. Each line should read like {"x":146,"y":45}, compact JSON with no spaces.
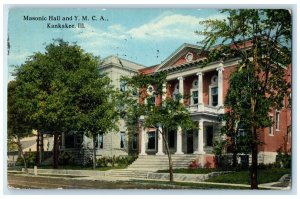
{"x":207,"y":87}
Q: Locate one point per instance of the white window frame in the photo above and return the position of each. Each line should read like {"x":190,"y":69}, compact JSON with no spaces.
{"x":277,"y":120}
{"x":191,"y":93}
{"x":210,"y":94}
{"x":271,"y":128}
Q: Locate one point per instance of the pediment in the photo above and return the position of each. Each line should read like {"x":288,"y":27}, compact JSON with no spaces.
{"x":184,"y":54}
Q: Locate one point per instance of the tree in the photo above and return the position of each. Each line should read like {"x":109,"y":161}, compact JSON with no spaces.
{"x":96,"y":104}
{"x":166,"y":116}
{"x":18,"y":127}
{"x":52,"y":88}
{"x":262,"y":40}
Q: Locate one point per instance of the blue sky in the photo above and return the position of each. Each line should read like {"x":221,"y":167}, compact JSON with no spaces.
{"x":145,"y":36}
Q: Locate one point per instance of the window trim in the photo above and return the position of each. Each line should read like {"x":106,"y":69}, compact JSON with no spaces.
{"x":210,"y":94}
{"x":277,"y":120}
{"x":192,"y":99}
{"x":271,"y":128}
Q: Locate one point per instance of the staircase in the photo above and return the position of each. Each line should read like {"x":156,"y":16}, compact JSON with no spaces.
{"x":127,"y":173}
{"x":161,"y":162}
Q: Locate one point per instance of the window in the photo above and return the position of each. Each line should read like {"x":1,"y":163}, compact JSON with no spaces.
{"x":151,"y":140}
{"x":194,"y":96}
{"x":214,"y":96}
{"x":122,"y":86}
{"x":271,"y":127}
{"x":122,"y":141}
{"x":176,"y":94}
{"x":277,"y":120}
{"x":151,"y":100}
{"x":99,"y":141}
{"x":242,"y":132}
{"x":134,"y":141}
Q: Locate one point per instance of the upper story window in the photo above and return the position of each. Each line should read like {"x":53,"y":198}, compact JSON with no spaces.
{"x":213,"y":89}
{"x":271,"y":127}
{"x":194,"y":97}
{"x":175,"y":94}
{"x":151,"y":100}
{"x":277,"y":121}
{"x":122,"y":86}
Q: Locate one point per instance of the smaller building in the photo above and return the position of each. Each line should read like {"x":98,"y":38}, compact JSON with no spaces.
{"x":117,"y":143}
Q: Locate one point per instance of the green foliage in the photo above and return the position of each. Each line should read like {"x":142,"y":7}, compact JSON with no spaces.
{"x":284,"y":160}
{"x":66,"y":158}
{"x":120,"y":161}
{"x":242,"y":177}
{"x":29,"y":158}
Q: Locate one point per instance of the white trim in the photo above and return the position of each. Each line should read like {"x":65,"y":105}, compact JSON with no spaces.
{"x":209,"y":94}
{"x":277,"y":120}
{"x":191,"y":98}
{"x":271,"y":128}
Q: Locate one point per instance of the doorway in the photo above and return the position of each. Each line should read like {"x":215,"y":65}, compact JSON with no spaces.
{"x":190,"y":142}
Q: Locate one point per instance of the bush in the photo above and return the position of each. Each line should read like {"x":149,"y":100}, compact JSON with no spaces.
{"x":66,"y":158}
{"x":284,"y":160}
{"x":29,"y":158}
{"x":195,"y":164}
{"x":115,"y":161}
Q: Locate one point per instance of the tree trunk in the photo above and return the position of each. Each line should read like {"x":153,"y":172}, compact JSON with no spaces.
{"x":37,"y":155}
{"x":94,"y":153}
{"x":20,"y":149}
{"x":42,"y":148}
{"x":254,"y":149}
{"x":55,"y":151}
{"x":169,"y":157}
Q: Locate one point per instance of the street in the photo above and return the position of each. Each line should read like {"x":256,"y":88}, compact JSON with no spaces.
{"x":46,"y":182}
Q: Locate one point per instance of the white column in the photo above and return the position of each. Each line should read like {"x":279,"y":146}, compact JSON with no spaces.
{"x":200,"y":138}
{"x":160,"y":142}
{"x":220,"y":84}
{"x":181,"y":89}
{"x":200,"y":91}
{"x":143,"y":147}
{"x":179,"y":141}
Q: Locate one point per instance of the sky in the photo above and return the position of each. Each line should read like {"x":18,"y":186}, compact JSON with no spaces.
{"x":144,"y":36}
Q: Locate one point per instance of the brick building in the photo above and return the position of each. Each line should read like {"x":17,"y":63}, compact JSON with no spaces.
{"x":207,"y":88}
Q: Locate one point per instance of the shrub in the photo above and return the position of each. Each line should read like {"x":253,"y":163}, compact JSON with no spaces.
{"x":29,"y":158}
{"x":66,"y":158}
{"x":195,"y":164}
{"x":284,"y":159}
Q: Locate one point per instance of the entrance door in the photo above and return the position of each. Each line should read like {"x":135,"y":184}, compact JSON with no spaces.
{"x":190,"y":143}
{"x":209,"y":135}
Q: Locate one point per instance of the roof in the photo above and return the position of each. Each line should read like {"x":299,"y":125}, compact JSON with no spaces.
{"x":148,"y":70}
{"x":113,"y":60}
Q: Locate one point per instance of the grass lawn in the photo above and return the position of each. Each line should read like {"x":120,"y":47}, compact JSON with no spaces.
{"x":242,"y":177}
{"x":187,"y":185}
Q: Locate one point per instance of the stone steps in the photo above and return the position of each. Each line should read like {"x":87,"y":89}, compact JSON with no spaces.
{"x":153,"y":162}
{"x":127,"y":173}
